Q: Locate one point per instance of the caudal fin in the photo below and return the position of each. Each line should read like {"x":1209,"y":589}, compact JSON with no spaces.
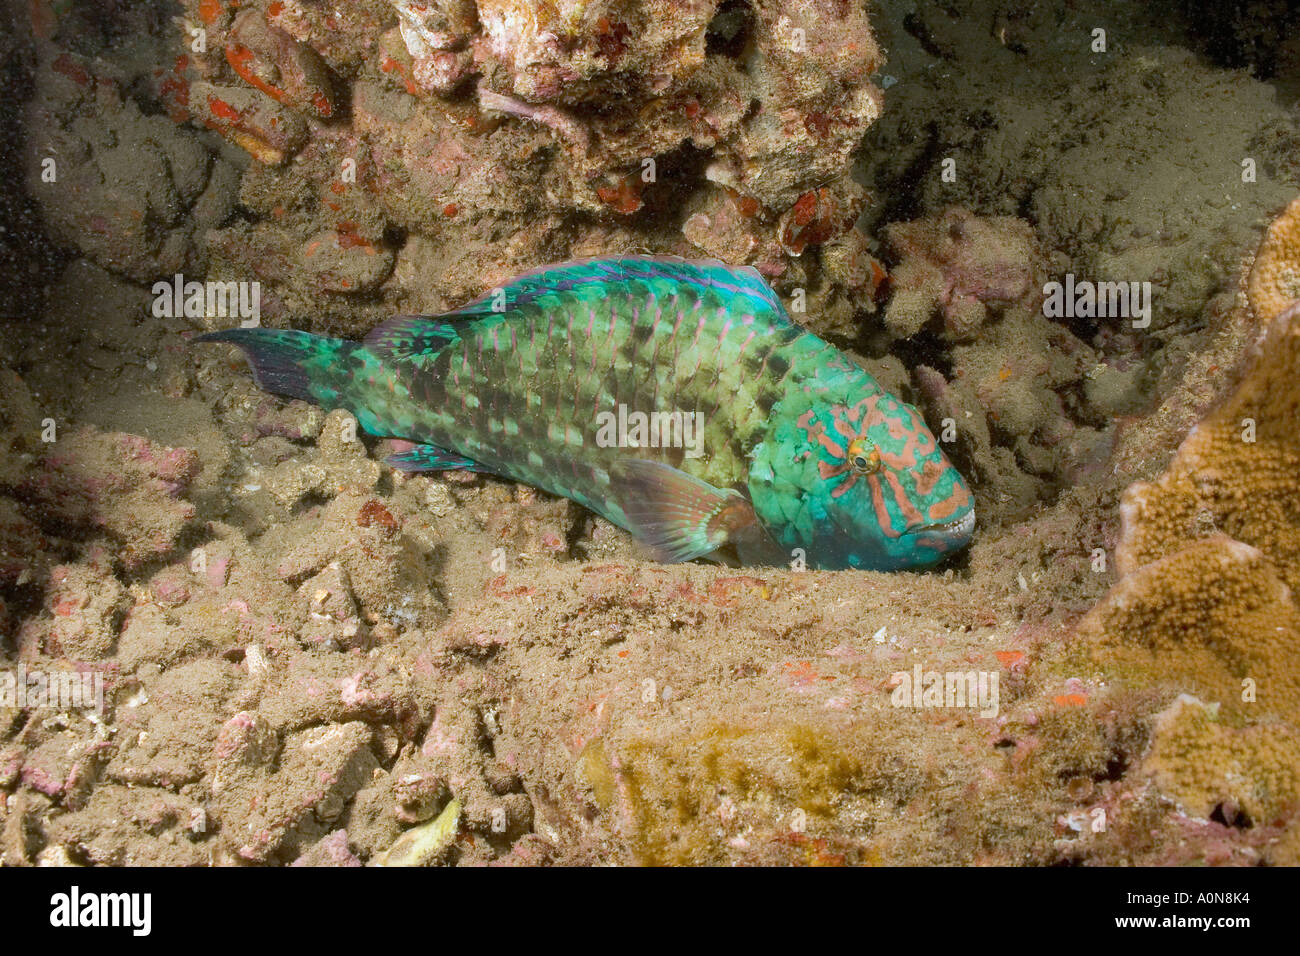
{"x":314,"y":368}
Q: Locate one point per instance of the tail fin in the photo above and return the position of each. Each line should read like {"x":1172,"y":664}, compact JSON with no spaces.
{"x":313,"y":368}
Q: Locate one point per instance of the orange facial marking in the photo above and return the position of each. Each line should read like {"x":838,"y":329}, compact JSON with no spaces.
{"x":826,"y":470}
{"x":844,"y":428}
{"x":842,"y":489}
{"x":905,"y":505}
{"x":878,"y":503}
{"x":943,"y":510}
{"x":931,"y":472}
{"x":821,"y":438}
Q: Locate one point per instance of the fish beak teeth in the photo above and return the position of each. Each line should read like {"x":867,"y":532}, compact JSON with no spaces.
{"x":959,"y":527}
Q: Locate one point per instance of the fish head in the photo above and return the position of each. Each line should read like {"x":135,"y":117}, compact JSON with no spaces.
{"x":857,"y":480}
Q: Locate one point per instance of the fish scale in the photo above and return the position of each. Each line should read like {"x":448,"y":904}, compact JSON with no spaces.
{"x":595,"y":371}
{"x":802,"y":449}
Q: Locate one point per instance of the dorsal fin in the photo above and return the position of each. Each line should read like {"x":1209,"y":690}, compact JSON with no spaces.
{"x":591,"y":277}
{"x":419,"y":338}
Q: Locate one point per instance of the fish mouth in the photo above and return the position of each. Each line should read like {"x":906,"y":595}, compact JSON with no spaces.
{"x":961,"y":527}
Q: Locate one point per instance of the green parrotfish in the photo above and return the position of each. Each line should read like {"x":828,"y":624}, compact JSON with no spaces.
{"x":799,"y":455}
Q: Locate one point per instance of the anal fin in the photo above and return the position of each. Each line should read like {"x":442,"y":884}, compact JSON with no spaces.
{"x":676,"y":514}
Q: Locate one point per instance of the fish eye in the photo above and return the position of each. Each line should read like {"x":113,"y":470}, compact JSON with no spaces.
{"x":864,"y":456}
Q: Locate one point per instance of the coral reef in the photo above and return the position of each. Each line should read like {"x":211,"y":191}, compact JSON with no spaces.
{"x":392,"y":140}
{"x":1236,"y":471}
{"x":1247,"y":775}
{"x":1214,"y":616}
{"x":958,"y":264}
{"x":1119,"y":183}
{"x":1209,"y":562}
{"x":122,"y":485}
{"x":1274,"y":281}
{"x":1026,"y":396}
{"x":307,"y":658}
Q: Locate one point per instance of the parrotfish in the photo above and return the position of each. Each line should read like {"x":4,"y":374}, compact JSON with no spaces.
{"x":802,"y":456}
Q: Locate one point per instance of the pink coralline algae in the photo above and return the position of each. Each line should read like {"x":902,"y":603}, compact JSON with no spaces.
{"x":956,"y":264}
{"x":121,"y":485}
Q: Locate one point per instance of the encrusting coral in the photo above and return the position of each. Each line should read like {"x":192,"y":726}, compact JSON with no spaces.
{"x":1211,"y":615}
{"x":957,"y":262}
{"x":1238,"y":472}
{"x":1258,"y":782}
{"x":1274,"y":280}
{"x":1209,"y":557}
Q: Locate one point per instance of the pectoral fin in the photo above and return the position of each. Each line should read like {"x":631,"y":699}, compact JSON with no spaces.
{"x":678,"y":515}
{"x":433,"y":458}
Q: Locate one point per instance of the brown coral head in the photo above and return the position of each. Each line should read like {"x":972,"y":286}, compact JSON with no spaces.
{"x":1274,"y":281}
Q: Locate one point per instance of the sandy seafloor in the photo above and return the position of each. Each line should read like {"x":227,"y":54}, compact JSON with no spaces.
{"x":308,"y":657}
